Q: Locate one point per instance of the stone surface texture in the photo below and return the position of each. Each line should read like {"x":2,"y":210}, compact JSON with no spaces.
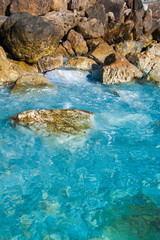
{"x":81,"y":63}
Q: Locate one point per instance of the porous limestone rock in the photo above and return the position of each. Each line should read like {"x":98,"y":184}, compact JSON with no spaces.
{"x":29,"y":37}
{"x":30,"y":80}
{"x":82,"y":63}
{"x":50,"y":62}
{"x":93,"y":43}
{"x":59,"y":5}
{"x":121,"y":71}
{"x":72,"y":121}
{"x":129,"y":46}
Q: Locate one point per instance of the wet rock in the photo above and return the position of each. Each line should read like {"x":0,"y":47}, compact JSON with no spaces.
{"x":67,"y":45}
{"x":82,"y":63}
{"x":80,"y":4}
{"x":148,"y":63}
{"x":93,"y":43}
{"x":91,"y":28}
{"x":4,"y":5}
{"x":71,"y":121}
{"x":78,"y":43}
{"x":97,"y":11}
{"x":121,"y":71}
{"x":29,"y":37}
{"x":102,"y":53}
{"x":119,"y":32}
{"x":33,"y":7}
{"x":30,"y":81}
{"x":59,"y":5}
{"x":50,"y":62}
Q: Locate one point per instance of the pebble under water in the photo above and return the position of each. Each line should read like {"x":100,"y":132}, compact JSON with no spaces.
{"x":102,"y":185}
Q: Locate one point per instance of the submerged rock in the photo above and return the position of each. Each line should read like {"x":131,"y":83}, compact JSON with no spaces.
{"x":82,"y":63}
{"x":71,"y":121}
{"x":121,"y":71}
{"x":34,"y":80}
{"x":29,"y":37}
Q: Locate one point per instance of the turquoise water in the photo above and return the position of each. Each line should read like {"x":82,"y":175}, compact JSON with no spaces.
{"x":102,"y":185}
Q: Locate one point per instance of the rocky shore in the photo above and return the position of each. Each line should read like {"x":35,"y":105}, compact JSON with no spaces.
{"x":120,"y":39}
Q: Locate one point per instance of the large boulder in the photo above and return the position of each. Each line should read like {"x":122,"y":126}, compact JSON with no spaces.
{"x":72,"y":121}
{"x":29,"y":80}
{"x":80,"y":4}
{"x":148,"y":63}
{"x":33,"y":7}
{"x":97,"y":11}
{"x":91,"y":28}
{"x":4,"y":7}
{"x":78,"y":43}
{"x":103,"y":53}
{"x":29,"y":37}
{"x":121,"y":71}
{"x":81,"y":63}
{"x":50,"y":62}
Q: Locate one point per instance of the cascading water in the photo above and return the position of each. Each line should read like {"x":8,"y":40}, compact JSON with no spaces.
{"x":102,"y":185}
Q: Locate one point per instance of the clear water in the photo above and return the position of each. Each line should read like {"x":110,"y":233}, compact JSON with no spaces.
{"x":103,"y":185}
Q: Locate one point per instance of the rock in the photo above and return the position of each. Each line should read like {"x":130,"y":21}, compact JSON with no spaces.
{"x":121,"y":71}
{"x":155,"y":8}
{"x":61,"y":50}
{"x":2,"y":20}
{"x":4,"y":7}
{"x":67,"y":45}
{"x":30,"y":81}
{"x":97,"y":11}
{"x":29,"y":37}
{"x":148,"y":63}
{"x":156,"y":34}
{"x":118,"y":32}
{"x":82,"y":63}
{"x":102,"y":53}
{"x":129,"y":46}
{"x":138,"y":24}
{"x":78,"y":43}
{"x":23,"y":68}
{"x":72,"y":121}
{"x":59,"y":5}
{"x":50,"y":62}
{"x":80,"y":4}
{"x":93,"y":43}
{"x":114,"y":6}
{"x":33,"y":7}
{"x":154,"y":48}
{"x":91,"y":28}
{"x":147,"y":21}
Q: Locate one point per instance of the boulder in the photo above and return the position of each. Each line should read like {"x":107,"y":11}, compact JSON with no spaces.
{"x":29,"y":37}
{"x":91,"y":28}
{"x":154,"y":48}
{"x":59,"y":5}
{"x":2,"y":20}
{"x":121,"y":71}
{"x":61,"y":50}
{"x":50,"y":63}
{"x":80,"y":4}
{"x":68,"y":47}
{"x":97,"y":11}
{"x":33,"y":7}
{"x":4,"y":7}
{"x":34,"y":80}
{"x":129,"y":46}
{"x":69,"y":121}
{"x":147,"y":21}
{"x":148,"y":63}
{"x":103,"y":53}
{"x":119,"y":32}
{"x":93,"y":43}
{"x":81,"y":63}
{"x":78,"y":43}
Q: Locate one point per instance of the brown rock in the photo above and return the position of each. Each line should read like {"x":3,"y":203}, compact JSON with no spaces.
{"x":2,"y":20}
{"x":97,"y":11}
{"x":91,"y":28}
{"x":33,"y":7}
{"x":72,"y":121}
{"x":81,"y":63}
{"x":67,"y":45}
{"x":102,"y":52}
{"x":93,"y":43}
{"x":155,"y":8}
{"x":4,"y":7}
{"x":80,"y":4}
{"x":29,"y":37}
{"x":121,"y":71}
{"x":61,"y":50}
{"x":147,"y":21}
{"x":30,"y":81}
{"x":78,"y":43}
{"x":59,"y":5}
{"x":154,"y":48}
{"x":50,"y":62}
{"x":118,"y":32}
{"x":138,"y":24}
{"x":129,"y":46}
